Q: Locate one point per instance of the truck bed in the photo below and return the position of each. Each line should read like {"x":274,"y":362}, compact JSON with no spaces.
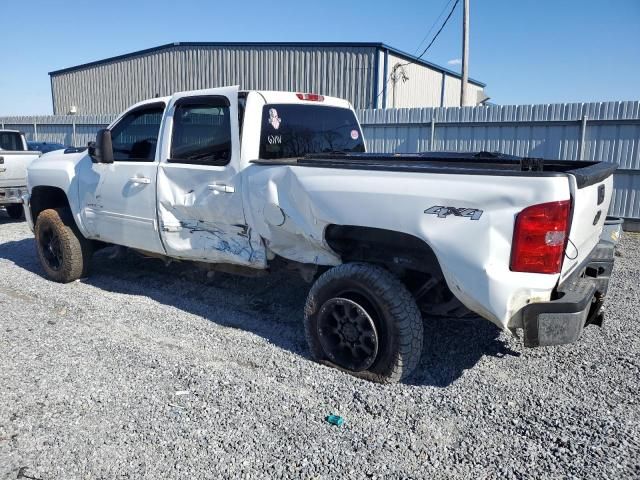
{"x":482,"y":163}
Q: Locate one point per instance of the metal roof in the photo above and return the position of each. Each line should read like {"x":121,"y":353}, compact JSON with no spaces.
{"x":377,"y":45}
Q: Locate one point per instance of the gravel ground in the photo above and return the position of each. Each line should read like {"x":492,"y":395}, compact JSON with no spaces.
{"x":144,"y":371}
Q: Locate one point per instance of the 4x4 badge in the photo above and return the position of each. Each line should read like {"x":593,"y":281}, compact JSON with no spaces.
{"x":444,"y":212}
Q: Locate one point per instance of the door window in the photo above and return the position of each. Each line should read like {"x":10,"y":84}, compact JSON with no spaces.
{"x":201,"y":131}
{"x":135,"y":137}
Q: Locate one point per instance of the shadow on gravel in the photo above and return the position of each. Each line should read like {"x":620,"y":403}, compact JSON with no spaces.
{"x":4,"y":218}
{"x":20,"y":252}
{"x":270,"y":306}
{"x":452,"y":346}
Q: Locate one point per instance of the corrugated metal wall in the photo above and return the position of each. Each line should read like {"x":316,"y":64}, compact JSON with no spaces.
{"x":346,"y":72}
{"x":75,"y":130}
{"x":452,"y":92}
{"x":607,"y":131}
{"x":422,"y":86}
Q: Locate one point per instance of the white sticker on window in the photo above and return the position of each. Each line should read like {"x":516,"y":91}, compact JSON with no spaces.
{"x":354,"y":134}
{"x":274,"y":119}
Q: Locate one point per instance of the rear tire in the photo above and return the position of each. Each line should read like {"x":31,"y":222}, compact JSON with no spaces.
{"x":15,"y":211}
{"x":361,"y":319}
{"x":64,"y":253}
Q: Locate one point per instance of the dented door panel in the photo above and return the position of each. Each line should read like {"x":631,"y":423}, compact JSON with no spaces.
{"x":202,"y":224}
{"x":200,"y":200}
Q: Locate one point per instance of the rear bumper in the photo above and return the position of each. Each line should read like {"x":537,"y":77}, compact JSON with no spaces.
{"x":12,"y":195}
{"x":577,"y":304}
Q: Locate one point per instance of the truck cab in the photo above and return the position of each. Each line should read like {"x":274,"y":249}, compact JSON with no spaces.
{"x":192,"y":147}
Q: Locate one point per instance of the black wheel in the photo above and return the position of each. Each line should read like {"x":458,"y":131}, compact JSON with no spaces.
{"x":361,"y":319}
{"x":15,"y":211}
{"x":64,"y":253}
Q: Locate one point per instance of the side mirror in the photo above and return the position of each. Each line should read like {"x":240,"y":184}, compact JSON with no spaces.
{"x":101,"y":151}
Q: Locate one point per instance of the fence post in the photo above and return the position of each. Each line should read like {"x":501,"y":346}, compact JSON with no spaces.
{"x":583,"y":133}
{"x":35,"y":131}
{"x":433,"y":133}
{"x":73,"y":133}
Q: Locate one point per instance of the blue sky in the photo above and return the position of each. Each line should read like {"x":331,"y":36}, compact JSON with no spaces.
{"x":526,"y":51}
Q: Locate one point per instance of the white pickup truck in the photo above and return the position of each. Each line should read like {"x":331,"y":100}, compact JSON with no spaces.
{"x":246,"y":181}
{"x":14,"y":159}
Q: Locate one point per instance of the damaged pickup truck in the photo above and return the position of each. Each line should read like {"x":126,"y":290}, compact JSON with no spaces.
{"x":247,"y":181}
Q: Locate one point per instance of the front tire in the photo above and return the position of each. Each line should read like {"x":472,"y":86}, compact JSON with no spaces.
{"x":64,"y":253}
{"x":361,"y":319}
{"x":15,"y":212}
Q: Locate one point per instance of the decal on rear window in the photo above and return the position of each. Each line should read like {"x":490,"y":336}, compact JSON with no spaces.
{"x":274,"y":119}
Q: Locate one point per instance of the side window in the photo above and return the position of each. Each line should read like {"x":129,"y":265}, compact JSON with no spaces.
{"x":201,"y":132}
{"x":11,"y":141}
{"x":135,"y":137}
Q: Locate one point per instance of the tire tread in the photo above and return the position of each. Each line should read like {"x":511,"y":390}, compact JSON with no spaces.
{"x":401,"y":306}
{"x":77,"y":250}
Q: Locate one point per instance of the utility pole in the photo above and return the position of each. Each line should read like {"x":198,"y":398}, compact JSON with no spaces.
{"x":465,"y":54}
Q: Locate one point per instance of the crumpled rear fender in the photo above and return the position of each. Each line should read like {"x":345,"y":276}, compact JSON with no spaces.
{"x":282,"y":211}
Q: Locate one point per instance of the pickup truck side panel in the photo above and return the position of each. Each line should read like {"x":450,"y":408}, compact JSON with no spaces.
{"x":13,"y":166}
{"x":292,"y":205}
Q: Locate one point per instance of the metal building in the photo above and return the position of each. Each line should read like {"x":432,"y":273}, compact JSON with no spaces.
{"x":369,"y":75}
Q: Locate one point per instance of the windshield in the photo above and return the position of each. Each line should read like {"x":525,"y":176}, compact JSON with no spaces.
{"x":294,"y":130}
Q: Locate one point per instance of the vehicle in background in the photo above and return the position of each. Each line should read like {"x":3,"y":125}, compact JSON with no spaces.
{"x":247,"y":182}
{"x":45,"y":147}
{"x":15,"y":157}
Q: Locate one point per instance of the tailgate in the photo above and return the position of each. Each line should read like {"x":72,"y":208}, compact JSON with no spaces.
{"x":13,"y":167}
{"x":591,"y":188}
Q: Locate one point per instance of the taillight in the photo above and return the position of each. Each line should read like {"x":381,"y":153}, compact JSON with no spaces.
{"x":310,"y":97}
{"x":540,"y":237}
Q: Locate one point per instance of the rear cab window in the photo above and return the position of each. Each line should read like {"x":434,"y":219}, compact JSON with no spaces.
{"x":11,"y":141}
{"x":296,"y":130}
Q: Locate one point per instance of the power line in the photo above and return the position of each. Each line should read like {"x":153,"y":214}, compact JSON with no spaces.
{"x":438,"y":32}
{"x":424,"y":39}
{"x":423,"y":52}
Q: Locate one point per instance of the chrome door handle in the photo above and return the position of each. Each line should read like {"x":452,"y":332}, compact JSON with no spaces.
{"x":143,"y":180}
{"x":220,"y":187}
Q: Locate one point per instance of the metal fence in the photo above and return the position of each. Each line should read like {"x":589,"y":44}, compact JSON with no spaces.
{"x":605,"y":131}
{"x":76,"y":130}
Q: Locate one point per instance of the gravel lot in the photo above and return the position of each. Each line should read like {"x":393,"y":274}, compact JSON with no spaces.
{"x":145,"y":371}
